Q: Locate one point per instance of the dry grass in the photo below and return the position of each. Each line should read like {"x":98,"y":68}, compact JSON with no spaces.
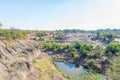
{"x":47,"y":69}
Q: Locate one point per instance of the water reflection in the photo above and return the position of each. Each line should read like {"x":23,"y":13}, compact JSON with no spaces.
{"x":75,"y":72}
{"x":71,"y":69}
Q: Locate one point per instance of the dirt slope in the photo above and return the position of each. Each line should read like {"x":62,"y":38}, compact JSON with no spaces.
{"x":17,"y":62}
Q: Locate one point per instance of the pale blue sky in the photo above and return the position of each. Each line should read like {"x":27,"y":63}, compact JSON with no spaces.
{"x":60,"y":14}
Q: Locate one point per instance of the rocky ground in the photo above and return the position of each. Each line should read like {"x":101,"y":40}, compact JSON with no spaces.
{"x":17,"y":61}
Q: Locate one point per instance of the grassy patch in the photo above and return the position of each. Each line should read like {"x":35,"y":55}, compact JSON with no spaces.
{"x":113,"y":73}
{"x":92,"y":76}
{"x":47,"y":69}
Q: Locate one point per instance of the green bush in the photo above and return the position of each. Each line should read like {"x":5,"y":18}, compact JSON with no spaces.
{"x":113,"y":47}
{"x":98,"y":51}
{"x":93,"y":66}
{"x":76,"y":56}
{"x":84,"y":48}
{"x":92,"y":76}
{"x":105,"y":36}
{"x":78,"y":45}
{"x":76,"y":49}
{"x":10,"y":34}
{"x":90,"y":63}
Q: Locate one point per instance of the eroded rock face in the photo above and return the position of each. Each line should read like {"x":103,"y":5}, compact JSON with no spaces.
{"x":16,"y":60}
{"x":15,"y":63}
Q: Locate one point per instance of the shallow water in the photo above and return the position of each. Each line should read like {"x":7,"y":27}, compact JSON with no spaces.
{"x":72,"y":71}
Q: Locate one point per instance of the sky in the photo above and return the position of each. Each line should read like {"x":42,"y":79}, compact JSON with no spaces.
{"x":60,"y":14}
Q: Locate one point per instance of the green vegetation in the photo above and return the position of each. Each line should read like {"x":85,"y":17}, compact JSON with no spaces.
{"x":91,"y":63}
{"x":109,"y":31}
{"x":113,"y":73}
{"x":93,"y":66}
{"x":73,"y":30}
{"x":105,"y":36}
{"x":75,"y":54}
{"x":116,"y":31}
{"x":98,"y":51}
{"x":59,"y":35}
{"x":113,"y":47}
{"x":77,"y":49}
{"x":84,"y":49}
{"x":42,"y":35}
{"x":113,"y":54}
{"x":56,"y":47}
{"x":12,"y":34}
{"x":92,"y":76}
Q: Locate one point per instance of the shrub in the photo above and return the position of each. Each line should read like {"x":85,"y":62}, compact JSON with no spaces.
{"x":77,"y":49}
{"x":113,"y":47}
{"x":76,"y":56}
{"x":90,"y":63}
{"x":98,"y":51}
{"x":93,"y":66}
{"x":78,"y":45}
{"x":11,"y":34}
{"x":92,"y":76}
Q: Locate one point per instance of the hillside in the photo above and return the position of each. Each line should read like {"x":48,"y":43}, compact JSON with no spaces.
{"x":22,"y":60}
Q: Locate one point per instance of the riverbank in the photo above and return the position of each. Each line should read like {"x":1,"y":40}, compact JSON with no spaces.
{"x":67,"y":58}
{"x":48,"y":70}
